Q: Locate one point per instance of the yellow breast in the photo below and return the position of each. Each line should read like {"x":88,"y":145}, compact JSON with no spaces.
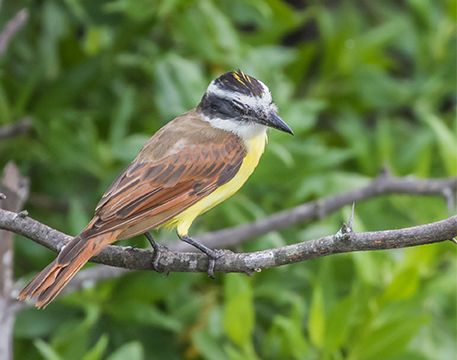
{"x":255,"y":147}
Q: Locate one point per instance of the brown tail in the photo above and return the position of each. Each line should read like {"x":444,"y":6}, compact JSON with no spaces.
{"x":50,"y":281}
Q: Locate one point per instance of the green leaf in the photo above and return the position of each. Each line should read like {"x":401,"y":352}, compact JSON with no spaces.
{"x":127,"y":148}
{"x":283,"y":154}
{"x":46,"y":351}
{"x":97,"y":39}
{"x":178,"y":83}
{"x":339,"y":320}
{"x":122,"y":114}
{"x":144,"y":313}
{"x":302,"y":115}
{"x":34,"y":324}
{"x":387,"y":340}
{"x":292,"y":335}
{"x":403,"y":286}
{"x":54,"y":25}
{"x":316,"y":321}
{"x":71,"y":339}
{"x":447,"y":141}
{"x":239,"y":316}
{"x":366,"y":267}
{"x":207,"y":345}
{"x":138,"y":11}
{"x":129,"y":351}
{"x":78,"y":217}
{"x":98,"y":349}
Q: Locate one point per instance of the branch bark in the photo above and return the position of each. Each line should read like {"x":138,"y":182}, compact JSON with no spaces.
{"x":11,"y":28}
{"x":305,"y":213}
{"x":140,"y":259}
{"x":127,"y":258}
{"x":15,"y":190}
{"x":18,"y":128}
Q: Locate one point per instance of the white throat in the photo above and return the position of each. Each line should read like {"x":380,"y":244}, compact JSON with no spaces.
{"x":246,"y":131}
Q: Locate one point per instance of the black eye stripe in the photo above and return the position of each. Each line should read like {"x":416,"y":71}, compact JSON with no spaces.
{"x":224,"y":108}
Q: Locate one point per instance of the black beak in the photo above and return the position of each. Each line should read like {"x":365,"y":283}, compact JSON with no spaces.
{"x":274,"y":121}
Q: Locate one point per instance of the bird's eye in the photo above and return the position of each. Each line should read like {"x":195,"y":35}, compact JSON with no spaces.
{"x":238,"y":106}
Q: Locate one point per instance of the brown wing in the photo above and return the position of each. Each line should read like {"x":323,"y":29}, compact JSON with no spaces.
{"x":185,"y":161}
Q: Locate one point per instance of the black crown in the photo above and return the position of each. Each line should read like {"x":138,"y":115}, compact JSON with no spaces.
{"x":238,"y":81}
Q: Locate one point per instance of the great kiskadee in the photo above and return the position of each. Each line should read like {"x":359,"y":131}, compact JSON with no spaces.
{"x":190,"y":165}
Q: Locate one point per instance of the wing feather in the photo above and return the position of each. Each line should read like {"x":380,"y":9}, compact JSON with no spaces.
{"x":153,"y":189}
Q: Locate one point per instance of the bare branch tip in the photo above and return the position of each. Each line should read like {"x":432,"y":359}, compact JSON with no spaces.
{"x":351,"y":219}
{"x":344,"y":233}
{"x":449,"y":197}
{"x":250,"y":272}
{"x":22,"y":214}
{"x":384,"y":172}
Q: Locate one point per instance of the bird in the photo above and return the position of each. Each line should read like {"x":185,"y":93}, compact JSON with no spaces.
{"x":190,"y":165}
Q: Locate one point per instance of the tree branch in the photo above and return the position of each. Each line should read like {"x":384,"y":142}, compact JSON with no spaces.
{"x":18,"y":128}
{"x":16,"y":189}
{"x":305,"y":213}
{"x":140,"y":259}
{"x":11,"y":28}
{"x":128,"y":258}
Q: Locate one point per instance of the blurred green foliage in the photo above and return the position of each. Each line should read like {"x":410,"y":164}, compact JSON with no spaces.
{"x":364,"y":84}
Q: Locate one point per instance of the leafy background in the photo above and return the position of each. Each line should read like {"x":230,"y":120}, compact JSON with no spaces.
{"x":364,"y":84}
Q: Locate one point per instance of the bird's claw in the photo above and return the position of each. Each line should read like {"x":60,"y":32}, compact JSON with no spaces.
{"x":213,"y":256}
{"x":158,"y":249}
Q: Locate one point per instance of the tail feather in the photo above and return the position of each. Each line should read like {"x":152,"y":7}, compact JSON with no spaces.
{"x":62,"y":277}
{"x":52,"y":279}
{"x":41,"y":280}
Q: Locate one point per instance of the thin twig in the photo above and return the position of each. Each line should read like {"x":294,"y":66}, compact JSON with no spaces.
{"x":11,"y":28}
{"x":18,"y":128}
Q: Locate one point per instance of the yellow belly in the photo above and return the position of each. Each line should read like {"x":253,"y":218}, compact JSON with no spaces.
{"x":255,"y":148}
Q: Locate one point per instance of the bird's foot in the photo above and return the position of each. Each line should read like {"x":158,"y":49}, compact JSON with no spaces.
{"x":212,"y":255}
{"x":158,"y":249}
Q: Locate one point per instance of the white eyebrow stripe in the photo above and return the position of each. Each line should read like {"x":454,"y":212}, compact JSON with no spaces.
{"x":263,"y":101}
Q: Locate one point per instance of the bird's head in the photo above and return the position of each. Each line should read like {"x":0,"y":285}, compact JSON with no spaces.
{"x":240,"y":103}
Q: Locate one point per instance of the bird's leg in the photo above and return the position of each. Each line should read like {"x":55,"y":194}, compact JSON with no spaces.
{"x":213,"y":255}
{"x":156,"y":247}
